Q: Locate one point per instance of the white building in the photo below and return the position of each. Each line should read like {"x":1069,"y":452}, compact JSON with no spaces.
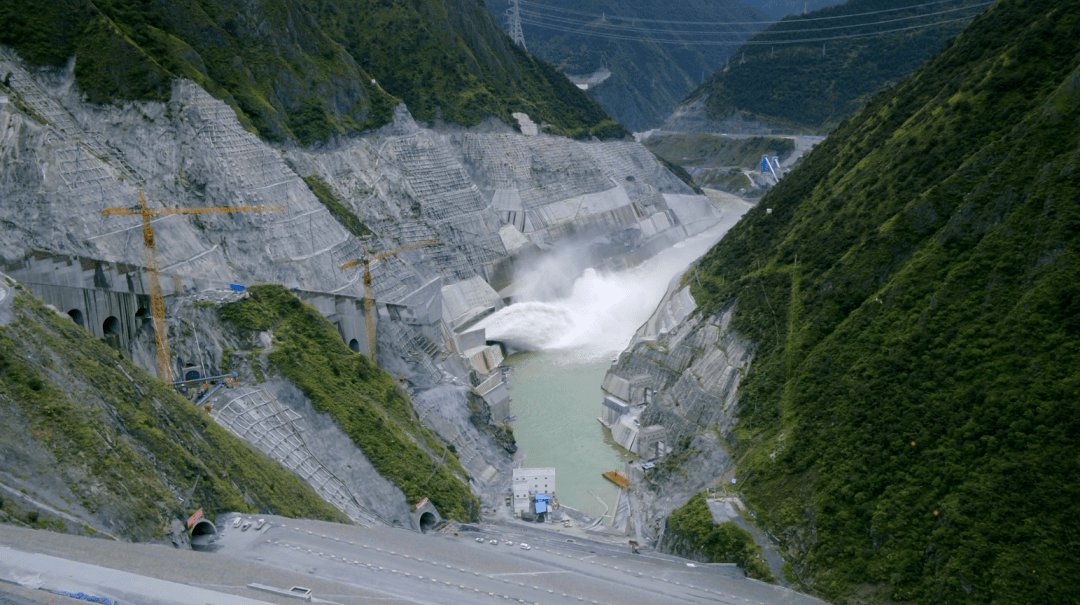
{"x":531,"y":481}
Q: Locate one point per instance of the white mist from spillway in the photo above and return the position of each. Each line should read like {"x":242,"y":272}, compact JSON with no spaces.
{"x":598,"y":318}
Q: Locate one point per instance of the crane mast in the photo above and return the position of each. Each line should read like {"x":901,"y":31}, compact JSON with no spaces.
{"x":369,"y":293}
{"x":157,"y":298}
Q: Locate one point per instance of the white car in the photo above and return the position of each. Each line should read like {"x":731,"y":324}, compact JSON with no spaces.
{"x":260,"y":523}
{"x":236,"y":522}
{"x":493,"y":542}
{"x":480,"y":540}
{"x":245,"y":526}
{"x":525,"y":546}
{"x":508,"y":543}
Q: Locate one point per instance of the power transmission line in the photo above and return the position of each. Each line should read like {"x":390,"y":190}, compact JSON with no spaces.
{"x":514,"y":13}
{"x":798,"y":20}
{"x":532,"y":16}
{"x":737,"y":43}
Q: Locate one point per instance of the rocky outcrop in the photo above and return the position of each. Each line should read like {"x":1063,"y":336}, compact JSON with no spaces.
{"x":672,"y":397}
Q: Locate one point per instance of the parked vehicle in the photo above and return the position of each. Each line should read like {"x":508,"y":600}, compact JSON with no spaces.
{"x":496,"y":542}
{"x":236,"y":522}
{"x":245,"y":526}
{"x":260,"y":523}
{"x":525,"y":546}
{"x":480,"y":540}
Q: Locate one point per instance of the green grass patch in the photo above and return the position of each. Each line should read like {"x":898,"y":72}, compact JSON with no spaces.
{"x":338,"y":209}
{"x":691,"y":531}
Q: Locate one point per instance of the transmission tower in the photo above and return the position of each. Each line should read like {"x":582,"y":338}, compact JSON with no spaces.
{"x":514,"y":13}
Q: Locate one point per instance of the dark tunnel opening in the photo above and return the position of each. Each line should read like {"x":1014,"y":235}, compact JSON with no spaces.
{"x":427,"y":521}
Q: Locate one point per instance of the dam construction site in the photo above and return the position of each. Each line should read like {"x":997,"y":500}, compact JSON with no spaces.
{"x":325,"y":307}
{"x":368,"y":302}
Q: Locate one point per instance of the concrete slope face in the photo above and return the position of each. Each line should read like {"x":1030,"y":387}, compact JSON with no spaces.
{"x":674,"y":392}
{"x":490,"y":198}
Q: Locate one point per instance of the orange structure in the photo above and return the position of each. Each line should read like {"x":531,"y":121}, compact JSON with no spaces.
{"x":617,"y":478}
{"x":157,"y":300}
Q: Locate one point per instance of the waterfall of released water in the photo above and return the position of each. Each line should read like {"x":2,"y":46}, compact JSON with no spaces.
{"x":599,"y":316}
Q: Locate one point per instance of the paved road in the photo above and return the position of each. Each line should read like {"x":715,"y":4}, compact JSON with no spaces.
{"x":348,"y":564}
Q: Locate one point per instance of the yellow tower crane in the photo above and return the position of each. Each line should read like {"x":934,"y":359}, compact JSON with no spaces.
{"x":369,"y":294}
{"x":157,"y":300}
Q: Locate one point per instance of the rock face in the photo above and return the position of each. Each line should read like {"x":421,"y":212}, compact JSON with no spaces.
{"x":489,"y":197}
{"x":672,"y":396}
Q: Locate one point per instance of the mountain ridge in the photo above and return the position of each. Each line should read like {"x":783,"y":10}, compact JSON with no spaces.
{"x":304,"y":74}
{"x":910,"y":288}
{"x":811,"y":87}
{"x":648,"y":75}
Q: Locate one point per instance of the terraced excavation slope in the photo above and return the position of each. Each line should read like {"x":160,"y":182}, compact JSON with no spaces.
{"x":773,"y":84}
{"x":362,"y":399}
{"x":910,"y":425}
{"x":93,"y":444}
{"x":638,"y":70}
{"x":301,"y":71}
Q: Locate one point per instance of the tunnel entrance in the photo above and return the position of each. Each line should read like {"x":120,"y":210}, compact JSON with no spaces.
{"x":427,"y":521}
{"x":203,"y":535}
{"x":111,"y":328}
{"x":354,"y":345}
{"x":76,"y":316}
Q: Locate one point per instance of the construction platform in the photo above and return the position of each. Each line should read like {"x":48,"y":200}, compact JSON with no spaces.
{"x":617,"y":478}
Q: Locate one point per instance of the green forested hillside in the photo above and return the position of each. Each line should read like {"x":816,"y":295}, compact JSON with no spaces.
{"x":914,"y":298}
{"x":812,"y":86}
{"x":691,"y":532}
{"x":304,"y":71}
{"x":93,"y":435}
{"x":649,"y":74}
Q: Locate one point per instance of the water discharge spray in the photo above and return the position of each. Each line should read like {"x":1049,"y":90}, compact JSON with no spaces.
{"x":599,"y":316}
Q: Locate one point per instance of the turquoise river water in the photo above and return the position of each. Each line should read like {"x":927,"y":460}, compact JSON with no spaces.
{"x":569,"y":343}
